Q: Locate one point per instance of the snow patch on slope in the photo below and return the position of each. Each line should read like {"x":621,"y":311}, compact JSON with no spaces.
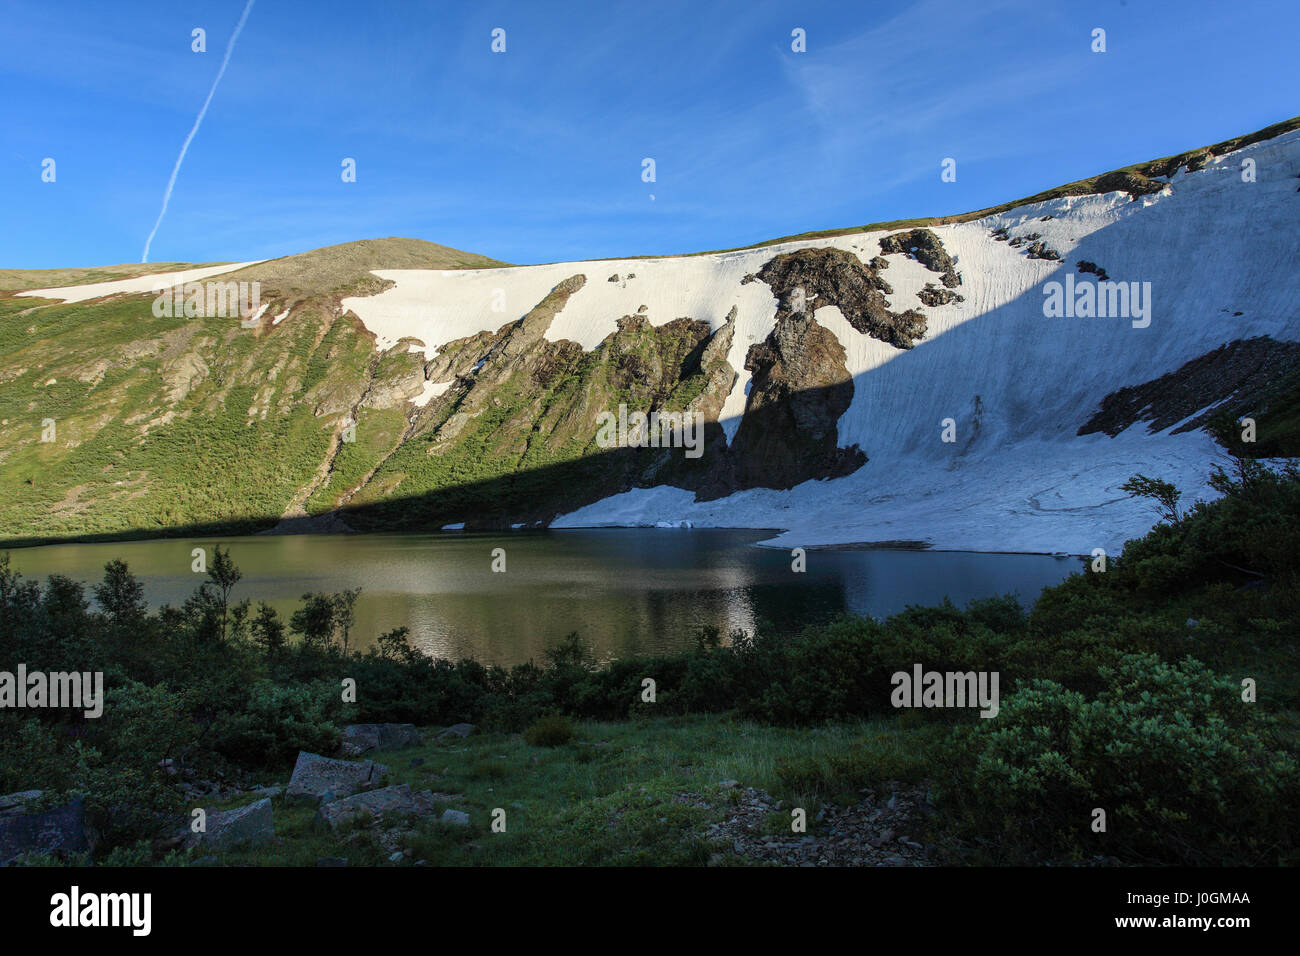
{"x":94,"y":290}
{"x":1016,"y":384}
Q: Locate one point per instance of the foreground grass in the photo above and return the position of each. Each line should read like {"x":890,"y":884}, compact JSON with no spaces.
{"x":608,"y":797}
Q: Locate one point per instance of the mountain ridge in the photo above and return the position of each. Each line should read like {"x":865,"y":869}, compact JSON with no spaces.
{"x":403,"y":398}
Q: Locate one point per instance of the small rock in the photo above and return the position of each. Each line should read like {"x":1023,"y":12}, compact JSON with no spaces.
{"x":457,"y":730}
{"x":227,"y":829}
{"x":314,"y":776}
{"x":60,"y":831}
{"x":455,"y":817}
{"x":396,"y":800}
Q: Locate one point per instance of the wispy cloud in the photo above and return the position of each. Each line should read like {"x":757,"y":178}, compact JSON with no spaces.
{"x":903,"y":86}
{"x":171,"y":183}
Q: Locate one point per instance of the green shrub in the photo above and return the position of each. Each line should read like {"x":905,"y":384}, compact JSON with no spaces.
{"x":552,"y":730}
{"x":1186,"y":772}
{"x":277,"y":722}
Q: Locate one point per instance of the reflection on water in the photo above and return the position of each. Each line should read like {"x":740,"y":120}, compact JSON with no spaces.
{"x":625,"y":591}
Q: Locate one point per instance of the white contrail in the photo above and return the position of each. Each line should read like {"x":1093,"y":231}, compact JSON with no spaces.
{"x":171,"y":183}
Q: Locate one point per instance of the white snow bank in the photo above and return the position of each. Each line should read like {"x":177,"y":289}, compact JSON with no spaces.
{"x":80,"y":293}
{"x":431,"y":390}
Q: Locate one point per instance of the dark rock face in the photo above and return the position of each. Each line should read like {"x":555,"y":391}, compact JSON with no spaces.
{"x":1039,"y":250}
{"x":1240,"y":372}
{"x":933,"y":296}
{"x":926,"y":248}
{"x":789,"y":433}
{"x":60,"y":832}
{"x":1083,"y":265}
{"x":836,"y":277}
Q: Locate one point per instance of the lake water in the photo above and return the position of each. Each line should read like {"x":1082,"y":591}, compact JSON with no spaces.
{"x":625,"y":591}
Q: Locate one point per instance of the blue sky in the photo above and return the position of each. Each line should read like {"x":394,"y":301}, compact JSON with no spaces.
{"x":535,"y":155}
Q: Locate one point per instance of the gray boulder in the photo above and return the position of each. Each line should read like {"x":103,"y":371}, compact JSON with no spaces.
{"x":315,"y":776}
{"x":14,"y":803}
{"x":360,"y":738}
{"x":388,"y":802}
{"x":456,"y":730}
{"x":61,"y":832}
{"x":455,"y":817}
{"x":227,"y":829}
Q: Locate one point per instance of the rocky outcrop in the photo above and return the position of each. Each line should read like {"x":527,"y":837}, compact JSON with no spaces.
{"x":1040,"y":250}
{"x":926,"y":248}
{"x":1084,"y":266}
{"x":384,"y":805}
{"x":933,"y":296}
{"x":253,"y":824}
{"x":807,"y":279}
{"x":799,"y":388}
{"x":1234,"y":378}
{"x":316,"y":778}
{"x":63,"y":832}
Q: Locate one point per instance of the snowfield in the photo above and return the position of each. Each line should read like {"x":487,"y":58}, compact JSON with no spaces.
{"x":1018,"y":385}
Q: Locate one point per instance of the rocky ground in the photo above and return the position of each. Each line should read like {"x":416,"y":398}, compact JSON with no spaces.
{"x":880,"y":830}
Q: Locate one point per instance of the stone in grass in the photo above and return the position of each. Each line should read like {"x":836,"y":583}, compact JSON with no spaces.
{"x":456,"y":730}
{"x":455,"y":817}
{"x":58,"y":832}
{"x":360,"y":738}
{"x":227,"y":829}
{"x":388,"y":802}
{"x":332,"y":861}
{"x":315,"y":776}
